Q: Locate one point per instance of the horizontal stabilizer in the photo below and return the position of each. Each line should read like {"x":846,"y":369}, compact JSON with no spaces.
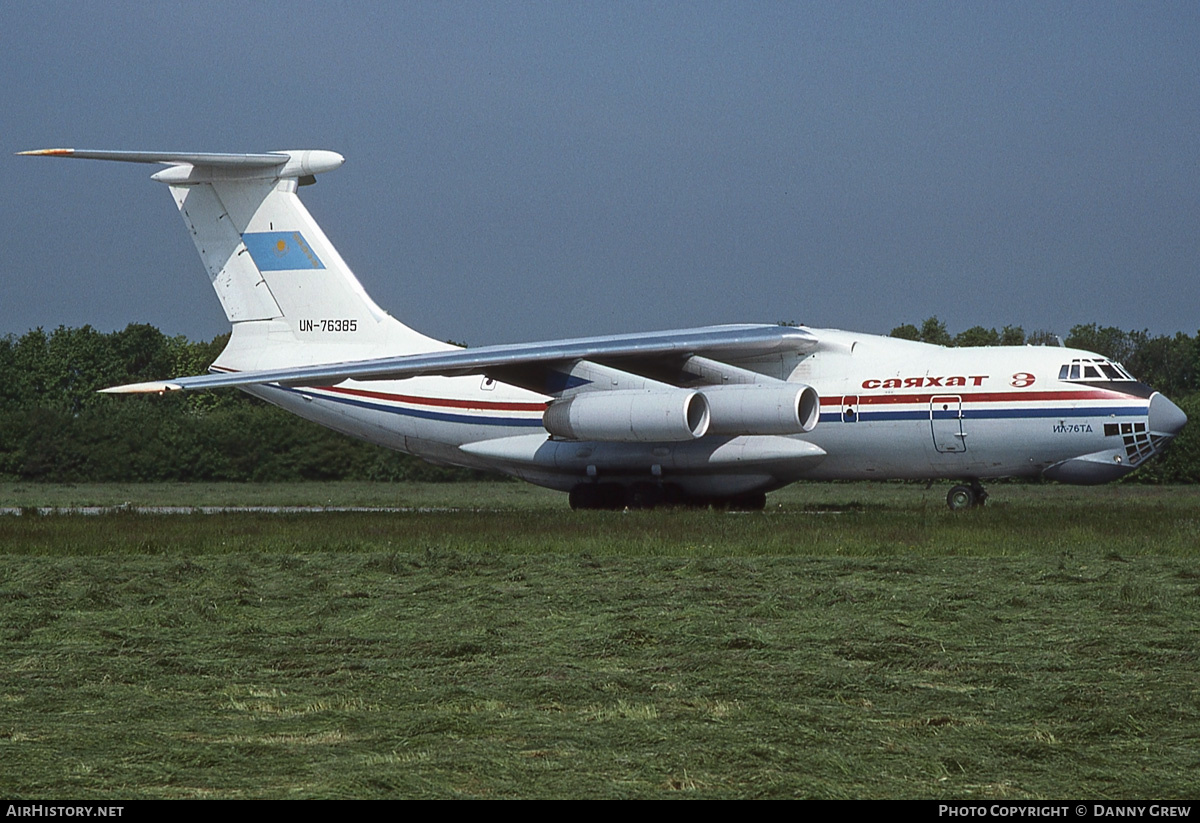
{"x":167,"y":157}
{"x":193,"y":167}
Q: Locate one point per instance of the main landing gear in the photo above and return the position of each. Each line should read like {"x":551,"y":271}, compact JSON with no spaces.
{"x":966,"y":497}
{"x":615,"y":496}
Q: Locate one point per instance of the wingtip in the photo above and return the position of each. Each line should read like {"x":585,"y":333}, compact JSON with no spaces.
{"x":143,"y":388}
{"x":46,"y":153}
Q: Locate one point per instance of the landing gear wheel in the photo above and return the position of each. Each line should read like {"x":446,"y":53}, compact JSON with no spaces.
{"x":961,"y":497}
{"x":981,"y":495}
{"x":584,"y":496}
{"x":753,"y":502}
{"x":673,"y":495}
{"x":644,"y":496}
{"x":607,"y":496}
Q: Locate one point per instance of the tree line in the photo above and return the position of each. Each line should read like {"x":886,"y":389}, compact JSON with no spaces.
{"x":1169,"y":363}
{"x":54,"y":427}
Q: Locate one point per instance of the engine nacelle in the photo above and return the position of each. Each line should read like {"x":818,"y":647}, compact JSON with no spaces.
{"x":792,"y":408}
{"x":629,"y":416}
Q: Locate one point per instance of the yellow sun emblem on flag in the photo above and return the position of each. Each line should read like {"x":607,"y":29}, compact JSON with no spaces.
{"x":280,"y":248}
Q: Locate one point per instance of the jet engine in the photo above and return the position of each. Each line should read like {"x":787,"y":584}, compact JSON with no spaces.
{"x":790,"y":408}
{"x":629,"y":416}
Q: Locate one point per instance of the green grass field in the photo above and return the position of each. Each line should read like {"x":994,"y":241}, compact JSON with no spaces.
{"x":855,"y":640}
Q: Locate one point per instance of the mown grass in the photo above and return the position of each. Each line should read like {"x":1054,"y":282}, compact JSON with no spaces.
{"x":498,"y":494}
{"x":513,"y":495}
{"x":844,"y":520}
{"x":854,"y":641}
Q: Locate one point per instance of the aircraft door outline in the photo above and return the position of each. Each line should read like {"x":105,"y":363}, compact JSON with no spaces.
{"x":850,"y":409}
{"x":946,"y":424}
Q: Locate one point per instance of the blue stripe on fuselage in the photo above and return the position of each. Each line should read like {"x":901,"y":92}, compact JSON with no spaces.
{"x":992,"y":414}
{"x":423,"y":414}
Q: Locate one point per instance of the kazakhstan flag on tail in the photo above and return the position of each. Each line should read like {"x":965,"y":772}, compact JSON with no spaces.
{"x":281,"y":251}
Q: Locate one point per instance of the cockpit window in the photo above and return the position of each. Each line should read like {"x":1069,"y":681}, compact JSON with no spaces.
{"x":1094,"y":369}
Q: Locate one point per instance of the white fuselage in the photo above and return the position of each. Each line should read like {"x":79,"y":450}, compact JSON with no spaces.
{"x":889,"y":409}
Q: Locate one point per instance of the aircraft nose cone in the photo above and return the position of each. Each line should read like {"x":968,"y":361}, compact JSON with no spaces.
{"x":1164,"y":416}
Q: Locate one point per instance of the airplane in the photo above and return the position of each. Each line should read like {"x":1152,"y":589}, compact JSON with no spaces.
{"x":718,"y":415}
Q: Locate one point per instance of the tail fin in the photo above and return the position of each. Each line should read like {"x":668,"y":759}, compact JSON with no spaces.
{"x":279,"y":279}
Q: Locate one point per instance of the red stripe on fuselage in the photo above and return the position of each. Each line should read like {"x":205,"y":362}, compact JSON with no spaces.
{"x":443,"y":402}
{"x":979,"y":397}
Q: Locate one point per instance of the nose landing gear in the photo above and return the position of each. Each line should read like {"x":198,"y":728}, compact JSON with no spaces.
{"x":966,"y":497}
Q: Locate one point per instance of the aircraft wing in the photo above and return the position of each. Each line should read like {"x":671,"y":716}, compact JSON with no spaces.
{"x":716,"y":343}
